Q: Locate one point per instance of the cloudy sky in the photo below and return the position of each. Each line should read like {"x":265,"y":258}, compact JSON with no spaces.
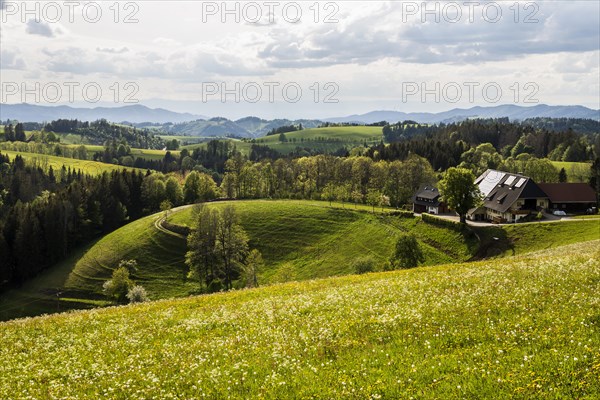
{"x":301,"y":59}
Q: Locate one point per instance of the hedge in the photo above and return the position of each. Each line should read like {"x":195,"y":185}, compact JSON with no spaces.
{"x":430,"y":219}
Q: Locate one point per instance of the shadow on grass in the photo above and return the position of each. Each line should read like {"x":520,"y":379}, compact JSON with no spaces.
{"x":494,"y":242}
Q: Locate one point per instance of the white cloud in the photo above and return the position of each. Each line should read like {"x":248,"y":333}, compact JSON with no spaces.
{"x":42,"y":28}
{"x":11,"y":60}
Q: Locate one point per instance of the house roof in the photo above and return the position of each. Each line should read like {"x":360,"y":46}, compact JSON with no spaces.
{"x":427,"y":192}
{"x":502,"y":189}
{"x":569,"y":192}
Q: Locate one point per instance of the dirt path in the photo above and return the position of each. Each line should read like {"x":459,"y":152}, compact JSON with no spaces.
{"x":158,"y":223}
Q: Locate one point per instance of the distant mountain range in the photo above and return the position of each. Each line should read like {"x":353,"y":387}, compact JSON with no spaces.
{"x":248,"y":127}
{"x":513,"y":112}
{"x":185,"y":124}
{"x":133,"y":114}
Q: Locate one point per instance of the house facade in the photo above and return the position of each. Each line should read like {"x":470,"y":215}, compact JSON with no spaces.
{"x":427,"y":200}
{"x":508,"y":197}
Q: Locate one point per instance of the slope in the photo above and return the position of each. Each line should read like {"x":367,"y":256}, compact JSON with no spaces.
{"x":524,"y":327}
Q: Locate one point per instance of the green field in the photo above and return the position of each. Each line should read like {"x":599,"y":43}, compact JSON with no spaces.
{"x":322,"y":139}
{"x":525,"y":327}
{"x":509,"y":240}
{"x":142,"y":153}
{"x":46,"y":161}
{"x":298,"y":239}
{"x":186,"y":139}
{"x":576,"y":171}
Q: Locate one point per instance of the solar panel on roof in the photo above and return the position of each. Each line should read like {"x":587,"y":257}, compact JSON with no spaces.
{"x":510,"y":180}
{"x":490,"y":181}
{"x":521,"y":182}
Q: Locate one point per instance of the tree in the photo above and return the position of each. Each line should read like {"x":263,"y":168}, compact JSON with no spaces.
{"x":173,"y":191}
{"x":118,"y":286}
{"x":329,"y":192}
{"x":562,"y":176}
{"x":201,"y":257}
{"x":232,"y":244}
{"x":20,"y":133}
{"x":374,"y":198}
{"x":363,"y":265}
{"x":153,"y":191}
{"x":459,"y":191}
{"x":408,"y":253}
{"x":137,"y":294}
{"x":172,"y":144}
{"x":254,"y":263}
{"x":199,"y":187}
{"x":282,"y":138}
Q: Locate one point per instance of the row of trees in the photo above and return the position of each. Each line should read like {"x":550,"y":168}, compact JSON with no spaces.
{"x":14,"y":134}
{"x":327,"y":177}
{"x":218,"y":253}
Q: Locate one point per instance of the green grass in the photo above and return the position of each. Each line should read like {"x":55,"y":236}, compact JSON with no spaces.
{"x":298,"y":240}
{"x":586,"y":216}
{"x":525,"y":327}
{"x":88,"y":167}
{"x":334,"y":138}
{"x":524,"y":238}
{"x":160,"y":256}
{"x":531,"y":237}
{"x":576,"y":171}
{"x":142,"y":153}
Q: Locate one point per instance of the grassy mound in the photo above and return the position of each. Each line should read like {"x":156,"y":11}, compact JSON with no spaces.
{"x":522,"y":327}
{"x":298,"y":239}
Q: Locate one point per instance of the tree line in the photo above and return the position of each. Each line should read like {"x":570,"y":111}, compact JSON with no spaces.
{"x":45,"y":214}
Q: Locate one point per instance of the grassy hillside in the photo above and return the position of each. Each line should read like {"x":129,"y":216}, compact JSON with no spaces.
{"x":298,"y":240}
{"x":324,"y":139}
{"x":89,"y":167}
{"x":147,"y":154}
{"x":576,"y":171}
{"x":525,"y":327}
{"x":508,"y":240}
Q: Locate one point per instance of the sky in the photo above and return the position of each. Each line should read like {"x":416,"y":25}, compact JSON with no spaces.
{"x":279,"y":59}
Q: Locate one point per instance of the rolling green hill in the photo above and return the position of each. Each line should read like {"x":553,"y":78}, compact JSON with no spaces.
{"x":323,"y":139}
{"x":89,"y":167}
{"x":524,"y":327}
{"x":148,"y":154}
{"x":298,"y":239}
{"x":576,"y":171}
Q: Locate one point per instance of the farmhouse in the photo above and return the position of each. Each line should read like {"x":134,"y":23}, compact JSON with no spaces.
{"x":569,"y":197}
{"x":508,"y":197}
{"x":427,"y":199}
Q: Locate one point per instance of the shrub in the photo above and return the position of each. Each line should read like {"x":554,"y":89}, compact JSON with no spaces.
{"x":363,"y":265}
{"x":446,"y":223}
{"x":118,"y":286}
{"x":408,"y":252}
{"x":137,"y":294}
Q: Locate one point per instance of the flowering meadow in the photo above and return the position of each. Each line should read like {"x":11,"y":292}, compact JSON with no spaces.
{"x":521,"y":327}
